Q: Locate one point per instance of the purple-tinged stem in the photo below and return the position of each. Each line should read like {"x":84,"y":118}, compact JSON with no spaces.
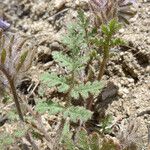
{"x":14,"y":93}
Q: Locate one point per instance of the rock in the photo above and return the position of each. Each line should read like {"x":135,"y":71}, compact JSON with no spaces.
{"x":55,"y":46}
{"x":131,"y":80}
{"x":126,"y":91}
{"x":23,"y":9}
{"x":82,"y":4}
{"x":3,"y":119}
{"x":130,"y":65}
{"x":122,"y":30}
{"x":39,"y":26}
{"x":120,"y":92}
{"x":147,"y":69}
{"x":44,"y":54}
{"x":109,"y":91}
{"x":47,"y":65}
{"x":39,"y":9}
{"x":58,"y":4}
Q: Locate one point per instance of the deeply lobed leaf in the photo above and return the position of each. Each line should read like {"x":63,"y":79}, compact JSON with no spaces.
{"x":84,"y":89}
{"x":63,"y":60}
{"x":77,"y":113}
{"x":74,"y":113}
{"x":50,"y":107}
{"x":52,"y":79}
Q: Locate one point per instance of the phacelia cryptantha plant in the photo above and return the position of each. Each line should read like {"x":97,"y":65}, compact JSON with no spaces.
{"x":105,"y":10}
{"x":15,"y":60}
{"x":80,"y":85}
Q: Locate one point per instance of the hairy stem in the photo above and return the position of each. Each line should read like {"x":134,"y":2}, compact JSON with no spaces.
{"x":87,"y":68}
{"x":104,"y":62}
{"x":14,"y":93}
{"x":67,"y":97}
{"x":15,"y":96}
{"x":90,"y":101}
{"x":87,"y":38}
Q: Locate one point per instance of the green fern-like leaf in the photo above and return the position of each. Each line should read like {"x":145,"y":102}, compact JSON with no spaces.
{"x":95,"y":142}
{"x":13,"y":116}
{"x":6,"y":140}
{"x":68,"y":143}
{"x":111,"y":29}
{"x":51,"y":80}
{"x":77,"y":113}
{"x":74,"y":113}
{"x":63,"y":60}
{"x":83,"y":20}
{"x":105,"y":29}
{"x":84,"y":89}
{"x":41,"y":90}
{"x":114,"y":26}
{"x":83,"y":141}
{"x":74,"y":40}
{"x":97,"y":41}
{"x":67,"y":137}
{"x":20,"y":132}
{"x":116,"y":42}
{"x":69,"y":63}
{"x":66,"y":129}
{"x":50,"y":107}
{"x":79,"y":63}
{"x":88,"y":142}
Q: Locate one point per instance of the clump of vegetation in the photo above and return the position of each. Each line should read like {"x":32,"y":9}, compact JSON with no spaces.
{"x":14,"y":62}
{"x":7,"y":139}
{"x":94,"y":141}
{"x":105,"y":10}
{"x":81,"y":83}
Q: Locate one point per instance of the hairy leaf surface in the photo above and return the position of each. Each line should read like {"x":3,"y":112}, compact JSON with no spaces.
{"x":63,"y":60}
{"x":84,"y":89}
{"x":52,"y":79}
{"x":77,"y":113}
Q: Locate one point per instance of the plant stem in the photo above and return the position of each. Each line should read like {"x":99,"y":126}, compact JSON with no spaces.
{"x":87,"y":68}
{"x":87,"y":38}
{"x":90,"y":101}
{"x":104,"y":62}
{"x":68,"y":96}
{"x":15,"y":96}
{"x":13,"y":90}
